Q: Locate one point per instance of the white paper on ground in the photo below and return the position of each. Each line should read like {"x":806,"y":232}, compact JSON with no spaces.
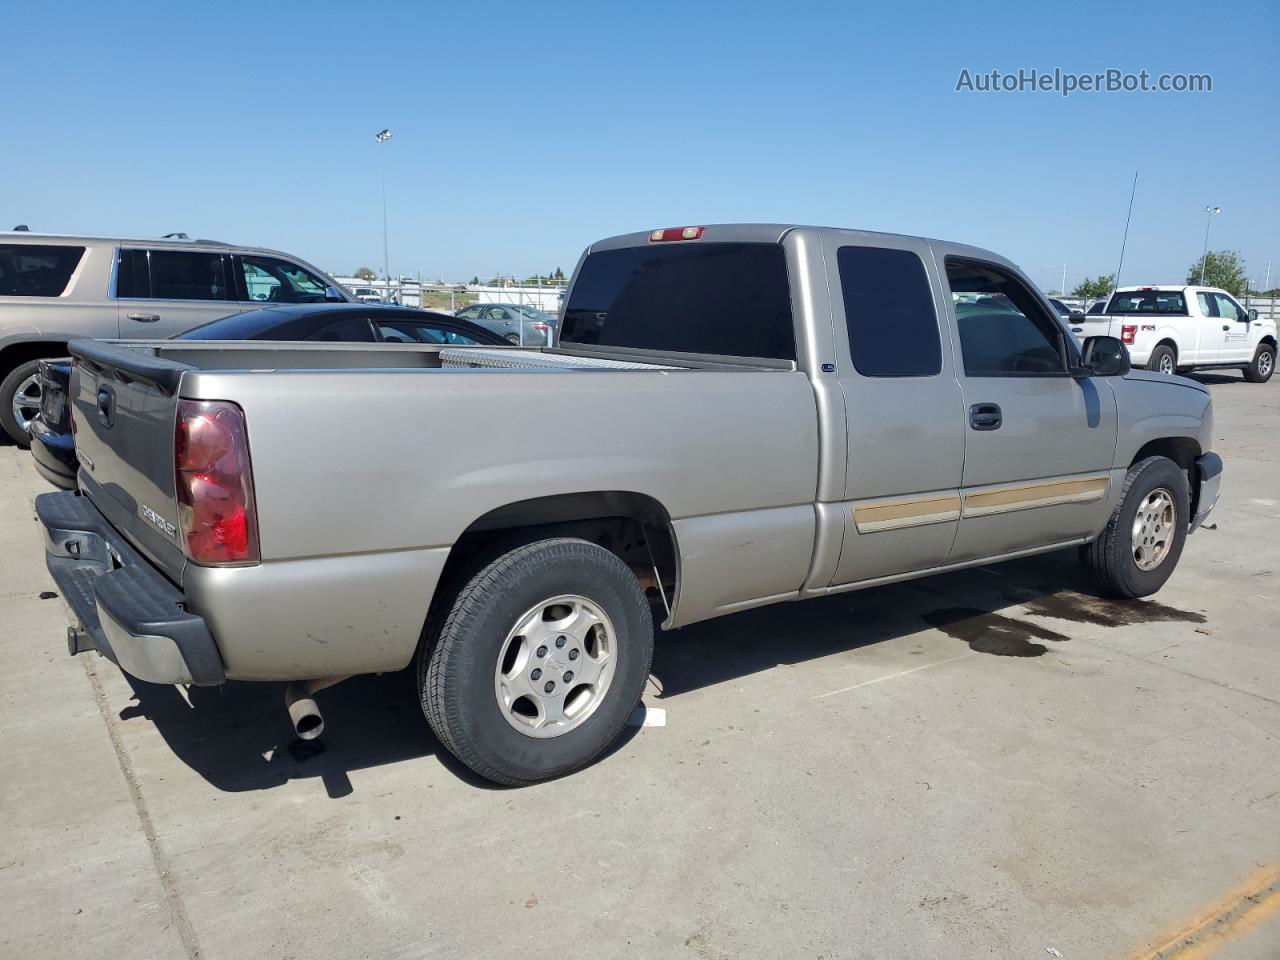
{"x":644,"y":716}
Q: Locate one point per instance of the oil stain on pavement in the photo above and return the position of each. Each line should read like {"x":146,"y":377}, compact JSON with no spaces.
{"x":1081,"y":608}
{"x":992,"y":633}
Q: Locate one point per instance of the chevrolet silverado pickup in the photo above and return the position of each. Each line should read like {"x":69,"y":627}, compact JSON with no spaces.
{"x":733,"y":416}
{"x":1176,"y":328}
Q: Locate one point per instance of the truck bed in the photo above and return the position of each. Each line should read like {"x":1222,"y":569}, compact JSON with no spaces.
{"x":365,"y":471}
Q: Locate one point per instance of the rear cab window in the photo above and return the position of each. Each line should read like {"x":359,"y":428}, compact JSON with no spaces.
{"x":1170,"y":303}
{"x":720,"y":299}
{"x":37,"y":270}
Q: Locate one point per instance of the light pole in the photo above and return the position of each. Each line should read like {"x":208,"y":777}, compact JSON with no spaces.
{"x":382,"y":137}
{"x":1208,"y":219}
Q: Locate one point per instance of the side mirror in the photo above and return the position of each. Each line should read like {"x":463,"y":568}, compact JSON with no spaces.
{"x":1253,"y":315}
{"x":1104,"y":357}
{"x":1076,"y":316}
{"x":331,"y":295}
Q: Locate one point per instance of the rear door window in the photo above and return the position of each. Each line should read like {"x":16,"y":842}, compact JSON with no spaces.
{"x":727,"y":299}
{"x":888,"y":308}
{"x":36,"y":270}
{"x":356,"y":330}
{"x":184,"y":275}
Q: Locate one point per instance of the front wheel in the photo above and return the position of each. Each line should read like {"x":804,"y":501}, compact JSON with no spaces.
{"x":1139,"y":547}
{"x":537,"y":661}
{"x":1263,"y":364}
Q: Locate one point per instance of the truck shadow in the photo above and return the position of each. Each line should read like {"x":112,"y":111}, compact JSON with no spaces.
{"x":238,"y":736}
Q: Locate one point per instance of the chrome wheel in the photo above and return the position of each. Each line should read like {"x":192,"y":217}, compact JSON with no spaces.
{"x":26,"y":401}
{"x":1166,"y":364}
{"x":1153,"y":529}
{"x":1265,"y":362}
{"x":555,"y":667}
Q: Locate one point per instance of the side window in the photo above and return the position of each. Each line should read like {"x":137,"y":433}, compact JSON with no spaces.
{"x":1004,"y":331}
{"x":1208,"y":306}
{"x":355,"y":330}
{"x":406,"y":331}
{"x":27,"y":270}
{"x":278,"y":281}
{"x":1227,"y":308}
{"x":133,"y":276}
{"x":182,"y":275}
{"x":893,"y":329}
{"x":469,"y":313}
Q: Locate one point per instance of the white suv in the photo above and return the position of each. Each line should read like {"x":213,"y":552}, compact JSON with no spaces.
{"x":55,"y":288}
{"x":1173,"y":328}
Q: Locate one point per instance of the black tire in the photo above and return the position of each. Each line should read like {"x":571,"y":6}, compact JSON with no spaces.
{"x":1259,"y":369}
{"x":1110,"y":558}
{"x":513,"y":338}
{"x":1158,"y":356}
{"x":459,"y":656}
{"x":9,"y":387}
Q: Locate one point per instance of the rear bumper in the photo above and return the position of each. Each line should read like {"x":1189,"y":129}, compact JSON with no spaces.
{"x":1209,"y":477}
{"x":127,"y":609}
{"x":54,"y":454}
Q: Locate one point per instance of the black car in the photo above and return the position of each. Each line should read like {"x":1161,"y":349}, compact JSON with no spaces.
{"x":53,"y":444}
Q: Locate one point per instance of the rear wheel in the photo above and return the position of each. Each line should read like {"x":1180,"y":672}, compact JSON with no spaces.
{"x":537,"y":660}
{"x":20,"y":401}
{"x":513,"y":338}
{"x":1139,"y":547}
{"x":1163,"y":360}
{"x":1263,"y":364}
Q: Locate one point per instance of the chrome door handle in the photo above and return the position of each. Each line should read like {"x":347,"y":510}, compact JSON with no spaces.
{"x":145,"y":317}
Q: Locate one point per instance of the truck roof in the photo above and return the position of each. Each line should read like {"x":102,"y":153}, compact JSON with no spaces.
{"x":1161,"y":287}
{"x":774,"y":233}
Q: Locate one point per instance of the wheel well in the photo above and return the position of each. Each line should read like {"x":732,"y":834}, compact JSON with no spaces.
{"x":1270,"y":340}
{"x":1181,"y":450}
{"x":17,"y":354}
{"x":1166,"y":342}
{"x":635,"y":527}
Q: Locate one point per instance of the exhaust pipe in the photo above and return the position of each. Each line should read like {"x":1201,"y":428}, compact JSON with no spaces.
{"x":304,"y":712}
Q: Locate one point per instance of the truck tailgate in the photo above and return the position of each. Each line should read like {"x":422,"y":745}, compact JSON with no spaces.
{"x":124,"y":401}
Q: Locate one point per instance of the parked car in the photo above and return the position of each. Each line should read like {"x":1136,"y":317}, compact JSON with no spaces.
{"x":519,"y":323}
{"x":55,"y":288}
{"x":367,"y":295}
{"x":1065,"y":312}
{"x":703,"y":440}
{"x":53,"y":446}
{"x":1175,"y":328}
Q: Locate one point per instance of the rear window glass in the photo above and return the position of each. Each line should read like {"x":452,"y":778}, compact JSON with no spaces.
{"x":729,"y":299}
{"x":1149,"y":301}
{"x":30,"y":270}
{"x":893,"y":330}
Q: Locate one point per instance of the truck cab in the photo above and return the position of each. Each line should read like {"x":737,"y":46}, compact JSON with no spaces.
{"x":1169,"y":329}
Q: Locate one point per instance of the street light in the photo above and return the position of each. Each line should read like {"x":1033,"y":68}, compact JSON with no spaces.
{"x":382,"y":137}
{"x":1208,"y":219}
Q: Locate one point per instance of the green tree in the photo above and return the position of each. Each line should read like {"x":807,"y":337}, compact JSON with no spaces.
{"x":1096,"y":288}
{"x":559,"y":274}
{"x":1222,"y":268}
{"x":364,"y":273}
{"x":475,"y":281}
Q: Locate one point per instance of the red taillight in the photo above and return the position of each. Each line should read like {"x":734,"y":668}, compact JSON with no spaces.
{"x":540,"y":327}
{"x":1127,"y":333}
{"x":676,"y":233}
{"x":215,"y":483}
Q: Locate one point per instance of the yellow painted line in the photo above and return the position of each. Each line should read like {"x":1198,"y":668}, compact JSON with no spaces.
{"x":1228,"y":919}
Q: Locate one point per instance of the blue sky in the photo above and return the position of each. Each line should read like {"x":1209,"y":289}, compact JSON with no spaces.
{"x":523,"y":132}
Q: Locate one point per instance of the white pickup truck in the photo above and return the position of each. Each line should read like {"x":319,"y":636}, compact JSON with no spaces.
{"x":1175,"y":328}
